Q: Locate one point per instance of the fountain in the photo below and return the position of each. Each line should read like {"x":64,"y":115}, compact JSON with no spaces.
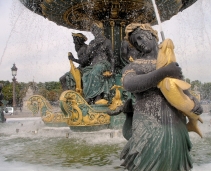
{"x":115,"y":16}
{"x":70,"y":99}
{"x":49,"y":149}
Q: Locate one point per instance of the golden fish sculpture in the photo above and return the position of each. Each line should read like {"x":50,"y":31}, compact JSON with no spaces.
{"x":116,"y":100}
{"x":173,"y":88}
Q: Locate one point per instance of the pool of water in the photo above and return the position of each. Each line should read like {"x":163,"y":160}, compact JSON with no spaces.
{"x":28,"y":145}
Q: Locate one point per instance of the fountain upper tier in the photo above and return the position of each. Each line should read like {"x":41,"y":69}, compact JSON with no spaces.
{"x":78,"y":14}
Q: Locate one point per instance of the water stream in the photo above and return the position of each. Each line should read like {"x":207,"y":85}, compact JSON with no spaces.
{"x":28,"y":145}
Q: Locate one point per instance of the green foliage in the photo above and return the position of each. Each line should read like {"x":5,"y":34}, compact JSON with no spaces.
{"x":50,"y":90}
{"x":206,"y":91}
{"x":8,"y":91}
{"x":196,"y":85}
{"x":187,"y":80}
{"x":52,"y":85}
{"x":203,"y":88}
{"x":52,"y":96}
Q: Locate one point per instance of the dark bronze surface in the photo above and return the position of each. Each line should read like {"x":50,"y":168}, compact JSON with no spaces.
{"x":77,"y":14}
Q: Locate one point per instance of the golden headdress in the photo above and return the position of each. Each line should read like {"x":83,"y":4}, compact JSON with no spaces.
{"x":131,"y":27}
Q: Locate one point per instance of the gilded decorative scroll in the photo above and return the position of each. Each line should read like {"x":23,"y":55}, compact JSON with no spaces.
{"x":38,"y":104}
{"x":79,"y":113}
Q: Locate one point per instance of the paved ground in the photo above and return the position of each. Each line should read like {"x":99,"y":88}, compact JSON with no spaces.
{"x":19,"y":114}
{"x":27,"y":113}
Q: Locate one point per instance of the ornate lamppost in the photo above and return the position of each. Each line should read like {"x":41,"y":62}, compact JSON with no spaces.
{"x":14,"y":73}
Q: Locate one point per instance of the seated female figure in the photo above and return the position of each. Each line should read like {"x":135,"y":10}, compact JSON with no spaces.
{"x":97,"y":84}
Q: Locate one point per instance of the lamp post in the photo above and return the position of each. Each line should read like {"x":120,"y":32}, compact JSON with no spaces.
{"x":14,"y":73}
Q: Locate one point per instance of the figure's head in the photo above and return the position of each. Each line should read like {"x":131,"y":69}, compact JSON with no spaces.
{"x":96,"y":28}
{"x":79,"y":38}
{"x":142,"y":37}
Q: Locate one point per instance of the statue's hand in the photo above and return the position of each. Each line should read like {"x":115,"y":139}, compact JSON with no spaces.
{"x":70,"y":56}
{"x":197,"y":108}
{"x":173,"y":70}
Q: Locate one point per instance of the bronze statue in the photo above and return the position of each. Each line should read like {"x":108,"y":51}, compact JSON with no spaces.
{"x":68,"y":81}
{"x":80,"y":46}
{"x":158,"y":138}
{"x":97,"y":77}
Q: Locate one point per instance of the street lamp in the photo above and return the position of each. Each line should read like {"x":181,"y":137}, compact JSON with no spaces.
{"x":14,"y":73}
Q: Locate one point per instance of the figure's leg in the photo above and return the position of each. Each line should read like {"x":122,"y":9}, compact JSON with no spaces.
{"x":95,"y":85}
{"x":93,"y":81}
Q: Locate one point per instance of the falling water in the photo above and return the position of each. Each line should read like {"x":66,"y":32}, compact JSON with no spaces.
{"x":48,"y":148}
{"x":158,"y":19}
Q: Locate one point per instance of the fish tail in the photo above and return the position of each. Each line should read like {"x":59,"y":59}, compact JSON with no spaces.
{"x":192,"y":126}
{"x":200,"y":119}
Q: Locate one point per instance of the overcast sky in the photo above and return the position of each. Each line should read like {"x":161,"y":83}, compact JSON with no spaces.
{"x":39,"y":47}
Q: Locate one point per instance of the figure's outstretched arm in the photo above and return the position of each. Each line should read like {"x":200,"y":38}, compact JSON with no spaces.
{"x":139,"y":82}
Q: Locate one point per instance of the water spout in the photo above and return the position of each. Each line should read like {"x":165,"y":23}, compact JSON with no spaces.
{"x":158,"y":19}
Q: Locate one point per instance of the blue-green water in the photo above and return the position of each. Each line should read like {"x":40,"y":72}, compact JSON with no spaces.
{"x":28,"y":145}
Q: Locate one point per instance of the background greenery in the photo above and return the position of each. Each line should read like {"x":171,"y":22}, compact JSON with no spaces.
{"x":52,"y":90}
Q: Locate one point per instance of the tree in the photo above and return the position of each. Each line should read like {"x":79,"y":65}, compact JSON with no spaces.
{"x":187,"y":80}
{"x":52,"y":96}
{"x":8,"y":91}
{"x":196,"y":85}
{"x":206,"y":91}
{"x":52,"y":85}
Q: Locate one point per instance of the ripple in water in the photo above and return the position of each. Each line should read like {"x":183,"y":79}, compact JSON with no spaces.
{"x":37,"y":147}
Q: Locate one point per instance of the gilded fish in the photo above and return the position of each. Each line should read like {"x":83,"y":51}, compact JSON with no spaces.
{"x":173,"y":88}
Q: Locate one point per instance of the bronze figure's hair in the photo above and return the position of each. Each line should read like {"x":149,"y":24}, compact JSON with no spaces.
{"x":79,"y":35}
